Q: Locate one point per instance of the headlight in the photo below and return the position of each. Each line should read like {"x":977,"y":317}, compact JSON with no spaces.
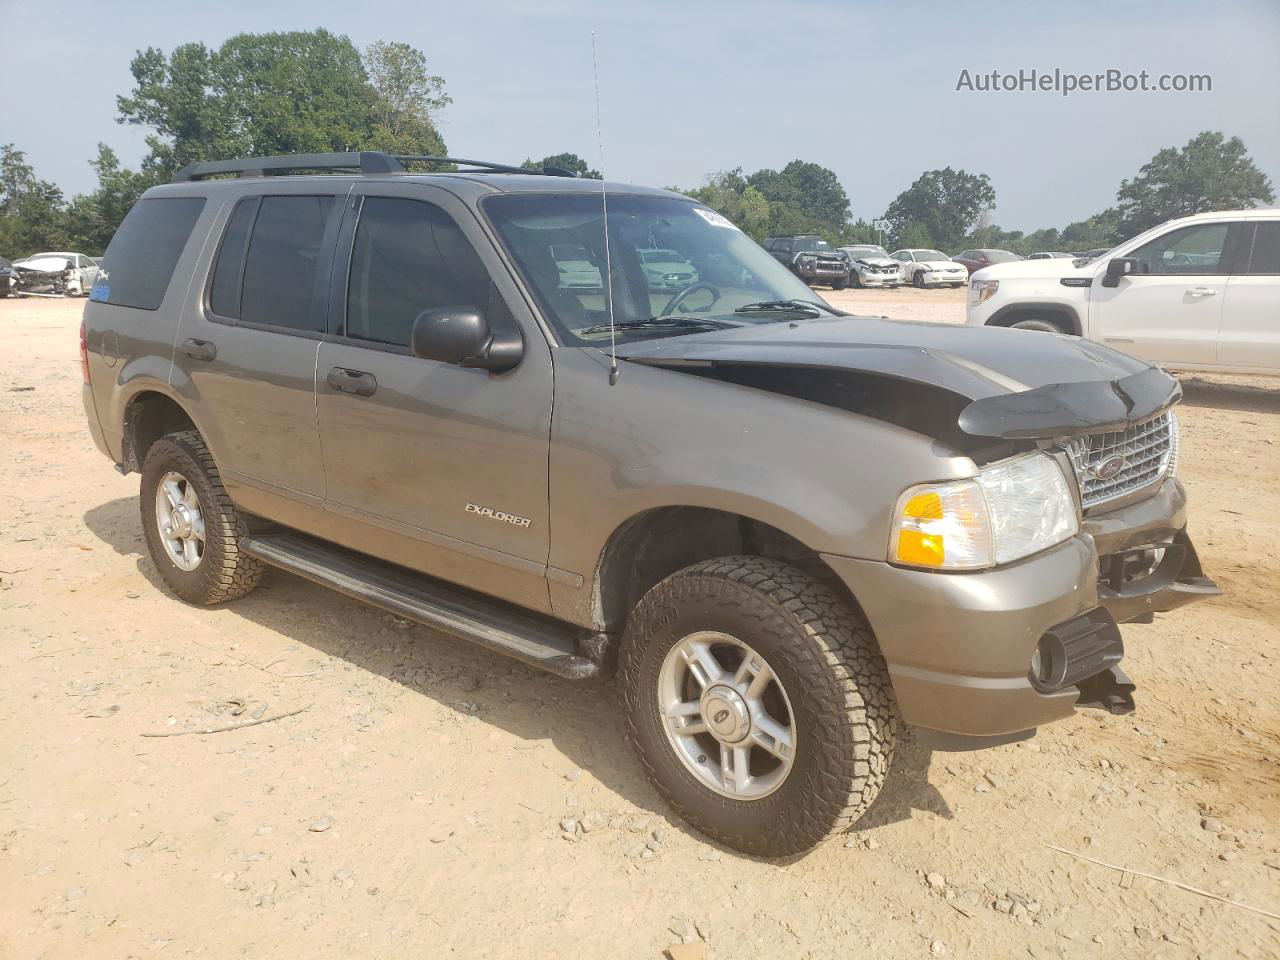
{"x":1011,"y":510}
{"x":983,"y":290}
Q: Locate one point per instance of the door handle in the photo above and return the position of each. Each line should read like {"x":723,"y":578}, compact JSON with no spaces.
{"x":199,"y":349}
{"x":352,"y":381}
{"x":1202,"y":292}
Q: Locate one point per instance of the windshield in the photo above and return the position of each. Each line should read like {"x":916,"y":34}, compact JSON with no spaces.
{"x":730,"y":278}
{"x":1001,"y":256}
{"x":930,"y":255}
{"x":859,"y":253}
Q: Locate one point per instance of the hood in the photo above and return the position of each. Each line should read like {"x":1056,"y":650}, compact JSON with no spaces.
{"x":44,"y":264}
{"x":876,"y":261}
{"x":1032,"y":269}
{"x":995,"y":382}
{"x":940,"y":264}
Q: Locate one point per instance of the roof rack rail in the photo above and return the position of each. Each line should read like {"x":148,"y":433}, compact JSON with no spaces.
{"x":366,"y":163}
{"x":484,"y":165}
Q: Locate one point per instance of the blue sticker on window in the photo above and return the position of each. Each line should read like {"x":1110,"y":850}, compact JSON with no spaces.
{"x":100,"y":292}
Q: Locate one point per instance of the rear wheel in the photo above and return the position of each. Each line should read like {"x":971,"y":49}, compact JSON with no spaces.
{"x":192,"y":528}
{"x":1037,"y":323}
{"x":759,"y":704}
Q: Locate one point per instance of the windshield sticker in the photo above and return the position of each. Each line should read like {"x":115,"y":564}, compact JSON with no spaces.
{"x":715,"y":219}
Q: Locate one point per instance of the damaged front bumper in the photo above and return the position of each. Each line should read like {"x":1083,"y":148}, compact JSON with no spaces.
{"x":1001,"y":651}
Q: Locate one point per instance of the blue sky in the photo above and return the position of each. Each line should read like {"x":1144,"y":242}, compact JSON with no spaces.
{"x":867,"y":89}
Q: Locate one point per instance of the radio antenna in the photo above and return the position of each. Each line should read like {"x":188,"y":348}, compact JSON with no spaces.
{"x":604,"y":204}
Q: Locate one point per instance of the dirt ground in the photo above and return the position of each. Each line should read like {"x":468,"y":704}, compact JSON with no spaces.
{"x":414,"y":808}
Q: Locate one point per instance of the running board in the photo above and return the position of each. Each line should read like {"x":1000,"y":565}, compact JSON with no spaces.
{"x":538,"y":641}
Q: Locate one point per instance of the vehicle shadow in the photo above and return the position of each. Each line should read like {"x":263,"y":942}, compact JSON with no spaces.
{"x":584,"y":722}
{"x":1246,"y":398}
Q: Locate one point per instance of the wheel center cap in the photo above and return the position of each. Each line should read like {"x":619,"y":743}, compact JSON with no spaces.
{"x":725,"y":713}
{"x":181,"y":520}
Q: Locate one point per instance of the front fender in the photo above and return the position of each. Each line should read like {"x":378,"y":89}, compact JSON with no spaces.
{"x":662,"y":438}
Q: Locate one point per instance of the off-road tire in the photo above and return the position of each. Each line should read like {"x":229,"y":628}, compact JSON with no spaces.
{"x":823,"y":654}
{"x":225,"y":572}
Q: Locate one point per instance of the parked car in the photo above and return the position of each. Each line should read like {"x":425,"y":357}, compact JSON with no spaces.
{"x":7,"y":277}
{"x":810,"y":258}
{"x":667,"y":270}
{"x":791,"y":529}
{"x":1199,"y":293}
{"x":978,"y":258}
{"x":576,"y":267}
{"x":58,"y":274}
{"x":870,"y":266}
{"x":929,"y":268}
{"x":1051,"y":255}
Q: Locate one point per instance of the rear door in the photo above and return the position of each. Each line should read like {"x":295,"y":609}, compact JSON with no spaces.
{"x":1251,"y":310}
{"x":246,"y":353}
{"x":432,"y":465}
{"x":1170,"y":311}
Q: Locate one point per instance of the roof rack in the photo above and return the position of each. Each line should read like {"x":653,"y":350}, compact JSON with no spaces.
{"x":366,"y":163}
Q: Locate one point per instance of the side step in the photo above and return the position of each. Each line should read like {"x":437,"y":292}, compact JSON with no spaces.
{"x":538,"y":641}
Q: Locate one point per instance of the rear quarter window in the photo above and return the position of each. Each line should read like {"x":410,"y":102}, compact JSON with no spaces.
{"x":140,"y":260}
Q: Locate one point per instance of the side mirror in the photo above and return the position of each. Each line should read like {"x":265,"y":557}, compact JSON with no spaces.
{"x":1118,"y":267}
{"x":461,"y":335}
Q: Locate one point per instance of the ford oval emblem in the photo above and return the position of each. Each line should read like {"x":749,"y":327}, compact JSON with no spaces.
{"x":1109,"y":467}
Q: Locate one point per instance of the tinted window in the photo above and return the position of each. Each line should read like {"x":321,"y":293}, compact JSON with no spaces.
{"x":224,"y":293}
{"x":408,"y":257}
{"x":283,"y":271}
{"x":1191,"y":250}
{"x":140,"y":260}
{"x":1265,"y":255}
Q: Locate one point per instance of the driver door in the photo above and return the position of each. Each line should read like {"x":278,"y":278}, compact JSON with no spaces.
{"x":1169,"y":310}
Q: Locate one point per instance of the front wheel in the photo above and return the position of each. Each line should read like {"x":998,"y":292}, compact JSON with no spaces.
{"x":759,"y":704}
{"x":192,"y":528}
{"x":839,"y":284}
{"x":917,"y":279}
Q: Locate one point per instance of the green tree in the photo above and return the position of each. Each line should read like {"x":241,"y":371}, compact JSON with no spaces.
{"x":92,"y":218}
{"x":273,"y":93}
{"x":32,"y":211}
{"x":948,"y":203}
{"x":407,"y":97}
{"x":913,"y":235}
{"x":1209,"y":173}
{"x":565,"y":161}
{"x":803,"y":197}
{"x":1093,"y":232}
{"x":729,"y":193}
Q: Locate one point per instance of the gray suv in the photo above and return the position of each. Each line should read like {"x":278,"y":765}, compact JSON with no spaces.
{"x":787,"y":529}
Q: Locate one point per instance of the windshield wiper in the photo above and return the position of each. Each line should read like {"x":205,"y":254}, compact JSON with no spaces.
{"x":667,"y":321}
{"x":767,"y":306}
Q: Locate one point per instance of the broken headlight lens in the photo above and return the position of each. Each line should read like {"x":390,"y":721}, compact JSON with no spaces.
{"x":1011,"y":510}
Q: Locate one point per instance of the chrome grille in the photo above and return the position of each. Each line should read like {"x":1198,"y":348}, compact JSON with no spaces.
{"x":1149,"y":452}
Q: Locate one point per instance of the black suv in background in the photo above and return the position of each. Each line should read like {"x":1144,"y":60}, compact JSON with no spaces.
{"x":810,"y":258}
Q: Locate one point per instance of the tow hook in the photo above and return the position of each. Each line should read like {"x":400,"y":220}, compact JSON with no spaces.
{"x":1110,"y":690}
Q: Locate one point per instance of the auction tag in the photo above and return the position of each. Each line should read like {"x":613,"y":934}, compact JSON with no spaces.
{"x":715,"y":219}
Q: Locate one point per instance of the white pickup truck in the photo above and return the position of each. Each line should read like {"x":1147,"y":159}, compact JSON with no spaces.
{"x":1198,"y":293}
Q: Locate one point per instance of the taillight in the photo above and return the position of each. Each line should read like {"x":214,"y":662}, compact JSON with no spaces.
{"x":84,"y":353}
